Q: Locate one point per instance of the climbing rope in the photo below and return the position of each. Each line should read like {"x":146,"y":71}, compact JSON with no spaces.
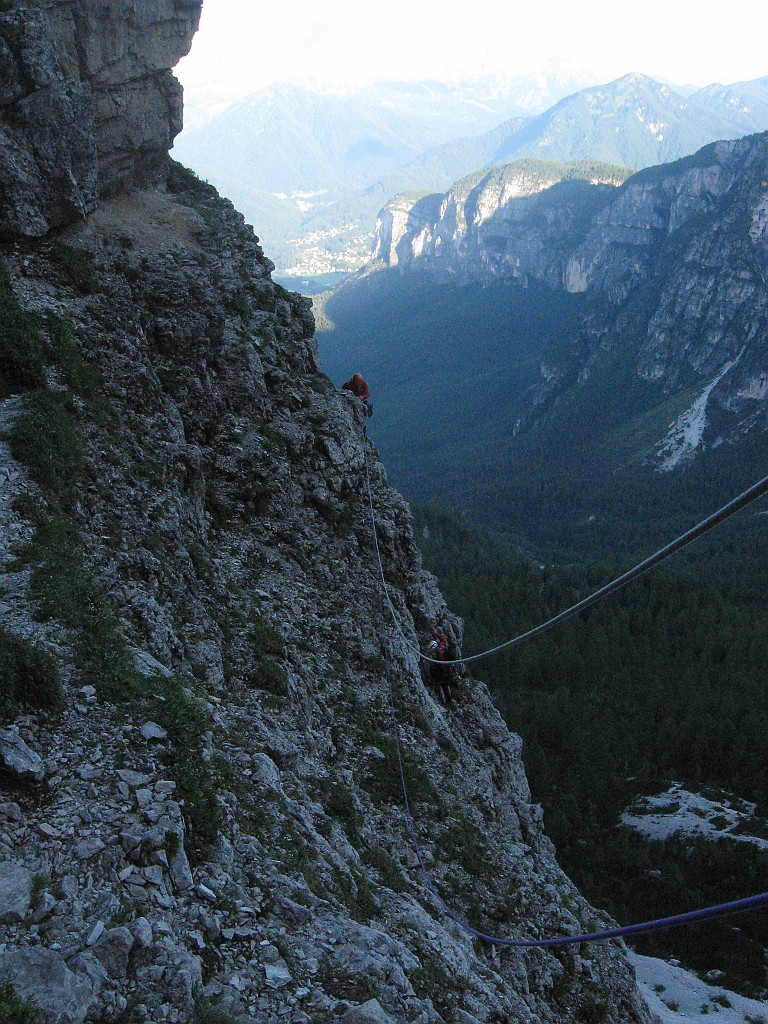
{"x":751,"y":494}
{"x":659,"y":924}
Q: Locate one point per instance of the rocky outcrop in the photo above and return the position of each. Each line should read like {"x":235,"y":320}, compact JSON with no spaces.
{"x":88,"y":103}
{"x":252,"y":853}
{"x":407,"y":219}
{"x":480,"y":215}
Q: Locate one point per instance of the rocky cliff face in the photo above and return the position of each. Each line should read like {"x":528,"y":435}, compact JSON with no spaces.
{"x":219,"y":512}
{"x":478,"y":217}
{"x":200,"y":808}
{"x":679,"y":251}
{"x":88,"y":103}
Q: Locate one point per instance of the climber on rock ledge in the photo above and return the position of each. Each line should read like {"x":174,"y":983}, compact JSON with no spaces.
{"x":444,"y":676}
{"x":359,"y":388}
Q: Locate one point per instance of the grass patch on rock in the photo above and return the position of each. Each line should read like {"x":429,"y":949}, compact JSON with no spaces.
{"x":14,"y":1009}
{"x":47,"y":440}
{"x":77,"y":267}
{"x":64,"y":587}
{"x":387,"y":867}
{"x":198,"y":779}
{"x":29,"y":678}
{"x":182,"y":181}
{"x":23,"y":352}
{"x":382,"y":779}
{"x":207,"y":1012}
{"x":253,"y":653}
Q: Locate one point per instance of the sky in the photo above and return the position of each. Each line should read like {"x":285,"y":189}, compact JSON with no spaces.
{"x":244,"y":45}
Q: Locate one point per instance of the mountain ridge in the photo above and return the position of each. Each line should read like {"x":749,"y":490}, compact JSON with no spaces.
{"x":578,"y":126}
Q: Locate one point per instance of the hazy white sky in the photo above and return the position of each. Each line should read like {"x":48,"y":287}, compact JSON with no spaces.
{"x":244,"y":45}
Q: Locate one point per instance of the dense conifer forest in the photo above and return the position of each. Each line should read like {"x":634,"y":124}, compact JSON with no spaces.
{"x":663,"y":681}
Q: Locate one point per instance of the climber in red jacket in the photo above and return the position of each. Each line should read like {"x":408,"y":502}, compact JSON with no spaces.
{"x":438,"y":645}
{"x":359,"y":388}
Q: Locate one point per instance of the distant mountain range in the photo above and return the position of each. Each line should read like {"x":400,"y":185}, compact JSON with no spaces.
{"x":635,"y":121}
{"x":312,"y":171}
{"x":286,"y":151}
{"x":744,"y":104}
{"x":288,"y":139}
{"x":581,"y":367}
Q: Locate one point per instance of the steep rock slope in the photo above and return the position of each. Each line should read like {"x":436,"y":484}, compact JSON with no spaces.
{"x":220,"y":505}
{"x":88,"y":102}
{"x":200,"y":805}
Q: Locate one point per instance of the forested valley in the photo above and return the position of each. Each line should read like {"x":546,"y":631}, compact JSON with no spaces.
{"x":663,"y":681}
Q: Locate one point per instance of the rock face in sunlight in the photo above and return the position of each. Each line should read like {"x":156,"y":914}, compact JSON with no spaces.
{"x":200,"y":804}
{"x":88,"y":102}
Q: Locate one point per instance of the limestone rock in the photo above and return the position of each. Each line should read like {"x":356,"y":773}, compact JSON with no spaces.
{"x":88,"y":103}
{"x":41,"y":976}
{"x":18,"y":759}
{"x":113,"y":950}
{"x":141,"y":930}
{"x":45,"y":905}
{"x":88,"y":848}
{"x":11,"y":811}
{"x":15,"y":891}
{"x":85,"y":965}
{"x":148,"y":666}
{"x":47,"y":135}
{"x":267,"y":773}
{"x":180,"y":871}
{"x":133,"y":779}
{"x":369,"y":1013}
{"x":153,"y":731}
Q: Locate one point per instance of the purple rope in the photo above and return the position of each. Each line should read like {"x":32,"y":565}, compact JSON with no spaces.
{"x":659,"y":924}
